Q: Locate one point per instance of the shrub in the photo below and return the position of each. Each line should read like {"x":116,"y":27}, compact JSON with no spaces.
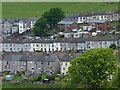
{"x":44,"y":76}
{"x":57,"y":79}
{"x":6,"y":73}
{"x":39,"y":78}
{"x":51,"y":77}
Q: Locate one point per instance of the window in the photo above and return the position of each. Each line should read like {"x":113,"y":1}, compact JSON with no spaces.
{"x":7,"y":62}
{"x":10,"y":49}
{"x":118,"y":42}
{"x":45,"y":49}
{"x":65,"y":64}
{"x":37,"y":45}
{"x":10,"y":44}
{"x":50,"y":67}
{"x":63,"y":68}
{"x":105,"y":42}
{"x":48,"y":63}
{"x":50,"y":72}
{"x":5,"y":67}
{"x":33,"y":49}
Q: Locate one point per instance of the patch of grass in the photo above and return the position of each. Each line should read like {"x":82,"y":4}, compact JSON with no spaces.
{"x":29,"y":9}
{"x":115,"y":24}
{"x":29,"y":85}
{"x":18,"y":78}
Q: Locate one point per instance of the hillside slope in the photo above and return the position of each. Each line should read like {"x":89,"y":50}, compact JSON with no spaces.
{"x":29,"y":9}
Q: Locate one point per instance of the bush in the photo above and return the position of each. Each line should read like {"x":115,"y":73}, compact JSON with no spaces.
{"x":57,"y":79}
{"x":6,"y":73}
{"x":113,"y":46}
{"x":39,"y":78}
{"x":44,"y":76}
{"x":17,"y":74}
{"x":51,"y":77}
{"x":33,"y":78}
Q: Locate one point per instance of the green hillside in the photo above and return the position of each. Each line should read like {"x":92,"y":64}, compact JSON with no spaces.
{"x":29,"y":9}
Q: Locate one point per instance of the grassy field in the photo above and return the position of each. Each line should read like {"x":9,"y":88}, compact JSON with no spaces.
{"x":29,"y":9}
{"x":29,"y":85}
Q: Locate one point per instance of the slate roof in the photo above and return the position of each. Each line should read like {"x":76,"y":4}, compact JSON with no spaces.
{"x":43,"y":57}
{"x":97,"y":21}
{"x":100,"y":13}
{"x":25,"y":20}
{"x":71,"y":15}
{"x":50,"y":57}
{"x":32,"y":57}
{"x":67,"y":40}
{"x":12,"y":57}
{"x":69,"y":57}
{"x":11,"y":21}
{"x":65,"y":22}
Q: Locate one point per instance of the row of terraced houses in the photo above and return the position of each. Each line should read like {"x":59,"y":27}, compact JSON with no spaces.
{"x":21,"y":25}
{"x":57,"y":45}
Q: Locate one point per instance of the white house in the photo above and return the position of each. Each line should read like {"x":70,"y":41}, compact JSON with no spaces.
{"x":21,"y":27}
{"x":65,"y":62}
{"x":88,"y":28}
{"x":83,"y":18}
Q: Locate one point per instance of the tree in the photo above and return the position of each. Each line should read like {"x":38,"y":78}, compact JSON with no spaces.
{"x":113,"y":46}
{"x":53,"y":16}
{"x":93,"y":69}
{"x":40,"y":27}
{"x":44,"y":76}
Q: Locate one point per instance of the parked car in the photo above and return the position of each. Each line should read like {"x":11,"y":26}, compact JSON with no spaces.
{"x":9,"y":77}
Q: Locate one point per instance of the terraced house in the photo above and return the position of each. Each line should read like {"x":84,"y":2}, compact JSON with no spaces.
{"x":18,"y":25}
{"x":32,"y":63}
{"x":55,"y":45}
